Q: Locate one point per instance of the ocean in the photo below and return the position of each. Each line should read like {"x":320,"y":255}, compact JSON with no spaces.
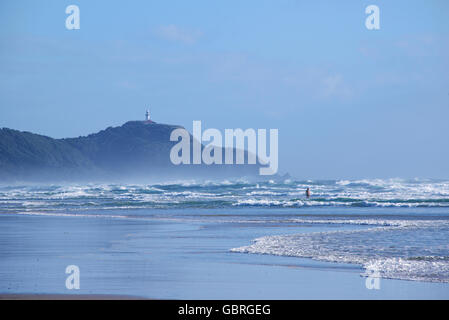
{"x":393,"y":229}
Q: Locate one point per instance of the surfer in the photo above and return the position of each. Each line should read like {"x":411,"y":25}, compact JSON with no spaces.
{"x":308,"y":193}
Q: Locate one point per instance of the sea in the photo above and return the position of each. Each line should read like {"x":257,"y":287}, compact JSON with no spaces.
{"x":390,"y":228}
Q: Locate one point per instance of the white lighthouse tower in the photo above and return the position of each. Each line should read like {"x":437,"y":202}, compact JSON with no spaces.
{"x":147,"y":115}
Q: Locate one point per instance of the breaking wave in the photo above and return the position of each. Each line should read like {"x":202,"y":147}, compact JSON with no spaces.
{"x":397,"y":249}
{"x":386,"y":235}
{"x":240,"y":193}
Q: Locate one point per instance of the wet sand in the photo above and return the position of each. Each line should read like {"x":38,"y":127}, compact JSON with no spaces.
{"x":127,"y":259}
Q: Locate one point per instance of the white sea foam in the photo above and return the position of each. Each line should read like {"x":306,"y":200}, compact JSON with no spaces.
{"x":402,"y":247}
{"x":432,"y":269}
{"x":344,"y":193}
{"x":399,"y":249}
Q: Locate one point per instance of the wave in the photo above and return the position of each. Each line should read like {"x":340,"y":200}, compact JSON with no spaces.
{"x":395,"y":245}
{"x":227,"y":193}
{"x":396,"y":249}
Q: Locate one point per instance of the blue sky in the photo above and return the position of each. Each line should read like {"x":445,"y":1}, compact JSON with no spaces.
{"x":348,"y":102}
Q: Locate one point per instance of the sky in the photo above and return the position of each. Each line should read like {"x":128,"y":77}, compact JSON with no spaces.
{"x":348,"y":102}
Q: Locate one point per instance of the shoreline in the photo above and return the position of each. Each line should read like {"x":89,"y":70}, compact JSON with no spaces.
{"x":134,"y":259}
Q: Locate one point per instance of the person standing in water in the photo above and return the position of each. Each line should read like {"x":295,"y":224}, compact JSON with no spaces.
{"x":308,"y":193}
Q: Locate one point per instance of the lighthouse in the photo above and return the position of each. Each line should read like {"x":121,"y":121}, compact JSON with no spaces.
{"x":147,"y":115}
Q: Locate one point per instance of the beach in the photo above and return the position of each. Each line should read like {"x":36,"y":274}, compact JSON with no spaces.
{"x":239,"y":150}
{"x":226,"y":252}
{"x":171,"y":260}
